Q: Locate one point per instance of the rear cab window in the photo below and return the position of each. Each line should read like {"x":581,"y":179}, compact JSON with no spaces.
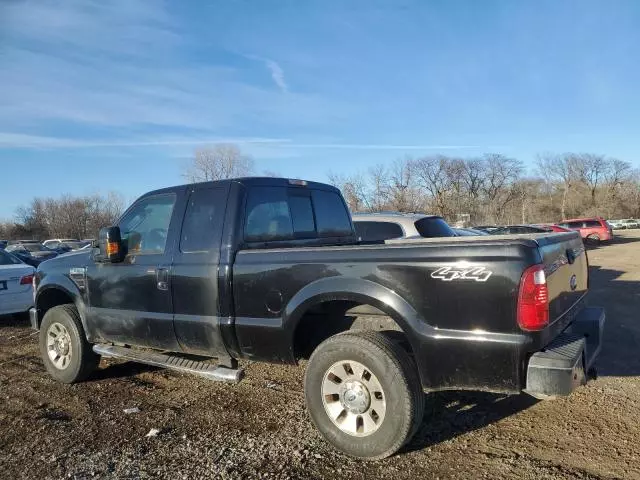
{"x":289,"y":213}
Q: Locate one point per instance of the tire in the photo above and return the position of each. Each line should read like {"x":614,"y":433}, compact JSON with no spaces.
{"x":594,"y":239}
{"x":62,"y":336}
{"x":385,"y":374}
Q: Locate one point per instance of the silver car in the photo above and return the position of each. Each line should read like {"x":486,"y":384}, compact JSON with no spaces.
{"x":379,"y":227}
{"x":16,"y":290}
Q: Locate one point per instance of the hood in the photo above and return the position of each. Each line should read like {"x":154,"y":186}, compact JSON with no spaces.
{"x":72,"y":259}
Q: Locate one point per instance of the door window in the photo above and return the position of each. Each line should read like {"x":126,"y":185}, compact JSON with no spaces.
{"x":592,"y":224}
{"x":145,"y":226}
{"x":203,"y":220}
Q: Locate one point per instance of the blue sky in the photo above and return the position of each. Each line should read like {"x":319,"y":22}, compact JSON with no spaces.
{"x":98,"y":96}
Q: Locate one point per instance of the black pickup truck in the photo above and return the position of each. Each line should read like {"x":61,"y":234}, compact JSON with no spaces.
{"x":271,"y":270}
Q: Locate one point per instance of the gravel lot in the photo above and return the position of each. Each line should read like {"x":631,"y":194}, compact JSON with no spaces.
{"x":260,"y":429}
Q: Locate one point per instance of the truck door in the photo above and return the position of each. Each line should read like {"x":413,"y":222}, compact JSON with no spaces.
{"x":195,"y":281}
{"x":130,"y":302}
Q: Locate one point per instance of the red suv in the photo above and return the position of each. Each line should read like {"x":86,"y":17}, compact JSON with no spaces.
{"x":594,"y":229}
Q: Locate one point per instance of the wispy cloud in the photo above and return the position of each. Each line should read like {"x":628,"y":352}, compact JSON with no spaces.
{"x":117,"y":67}
{"x":277,"y":74}
{"x":25,"y":141}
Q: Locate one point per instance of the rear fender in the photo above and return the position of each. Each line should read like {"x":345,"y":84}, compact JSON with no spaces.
{"x":360,"y":291}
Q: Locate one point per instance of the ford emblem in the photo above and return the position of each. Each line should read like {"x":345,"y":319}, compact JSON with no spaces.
{"x":573,"y":282}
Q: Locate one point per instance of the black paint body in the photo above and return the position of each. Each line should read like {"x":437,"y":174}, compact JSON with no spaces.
{"x":245,"y":300}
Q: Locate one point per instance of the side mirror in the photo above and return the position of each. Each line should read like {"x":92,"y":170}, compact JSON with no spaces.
{"x":111,"y":245}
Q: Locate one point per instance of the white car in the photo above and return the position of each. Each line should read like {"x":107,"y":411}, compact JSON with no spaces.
{"x":629,"y":223}
{"x":616,"y":224}
{"x":16,"y":290}
{"x":54,"y":243}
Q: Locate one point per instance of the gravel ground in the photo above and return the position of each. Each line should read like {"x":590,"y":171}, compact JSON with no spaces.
{"x":260,"y":429}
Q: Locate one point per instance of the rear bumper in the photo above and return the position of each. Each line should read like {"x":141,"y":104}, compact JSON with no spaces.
{"x":562,"y":365}
{"x":16,"y":302}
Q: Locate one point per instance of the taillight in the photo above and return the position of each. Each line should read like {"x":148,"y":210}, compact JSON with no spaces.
{"x":533,"y":299}
{"x":27,"y":280}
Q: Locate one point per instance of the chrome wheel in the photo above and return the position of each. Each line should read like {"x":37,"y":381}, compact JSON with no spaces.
{"x":59,"y":345}
{"x":353,"y":398}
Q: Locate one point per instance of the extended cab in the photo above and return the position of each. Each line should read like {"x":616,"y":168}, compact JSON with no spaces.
{"x":271,"y":270}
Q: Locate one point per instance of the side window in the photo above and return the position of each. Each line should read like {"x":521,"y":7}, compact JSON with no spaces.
{"x":378,"y":231}
{"x":332,"y":215}
{"x":202,"y":225}
{"x":267,"y":215}
{"x":575,"y":225}
{"x":592,"y":224}
{"x":145,"y":226}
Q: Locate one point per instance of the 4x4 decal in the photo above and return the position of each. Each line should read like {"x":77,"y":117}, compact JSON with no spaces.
{"x":477,"y":273}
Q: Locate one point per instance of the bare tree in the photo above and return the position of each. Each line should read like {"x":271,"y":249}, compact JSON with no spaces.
{"x":402,"y":192}
{"x":593,"y":170}
{"x":564,"y":169}
{"x":433,"y":174}
{"x":500,"y":176}
{"x":218,"y":162}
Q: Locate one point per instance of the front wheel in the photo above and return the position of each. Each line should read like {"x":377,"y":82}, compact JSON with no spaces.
{"x":364,"y":394}
{"x":66,"y":354}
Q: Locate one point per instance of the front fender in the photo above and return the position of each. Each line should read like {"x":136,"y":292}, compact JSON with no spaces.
{"x":54,"y":287}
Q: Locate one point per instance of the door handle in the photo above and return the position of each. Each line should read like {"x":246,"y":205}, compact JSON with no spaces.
{"x":162,"y":278}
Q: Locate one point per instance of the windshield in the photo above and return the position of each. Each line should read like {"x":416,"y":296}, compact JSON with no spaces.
{"x":8,"y":259}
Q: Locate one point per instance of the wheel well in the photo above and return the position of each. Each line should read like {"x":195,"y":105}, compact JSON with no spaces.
{"x":50,"y":298}
{"x":326,"y":319}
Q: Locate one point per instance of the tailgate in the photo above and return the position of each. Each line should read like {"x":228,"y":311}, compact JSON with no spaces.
{"x":566,"y":269}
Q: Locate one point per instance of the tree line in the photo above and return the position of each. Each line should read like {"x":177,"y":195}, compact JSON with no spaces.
{"x":63,"y":217}
{"x":492,"y":188}
{"x":495,"y":188}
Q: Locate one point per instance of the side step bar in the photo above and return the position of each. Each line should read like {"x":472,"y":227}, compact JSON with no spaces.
{"x":173,"y":362}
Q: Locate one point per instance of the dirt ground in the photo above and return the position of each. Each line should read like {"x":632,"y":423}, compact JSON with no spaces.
{"x":260,"y":429}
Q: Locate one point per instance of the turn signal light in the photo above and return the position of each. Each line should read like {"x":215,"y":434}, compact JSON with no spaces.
{"x":112,"y":248}
{"x":533,"y":299}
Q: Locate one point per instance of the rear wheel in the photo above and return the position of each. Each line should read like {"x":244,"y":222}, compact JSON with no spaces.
{"x":66,"y":354}
{"x":364,"y":394}
{"x":594,"y":238}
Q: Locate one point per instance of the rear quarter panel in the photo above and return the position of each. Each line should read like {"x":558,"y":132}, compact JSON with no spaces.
{"x":463,"y":331}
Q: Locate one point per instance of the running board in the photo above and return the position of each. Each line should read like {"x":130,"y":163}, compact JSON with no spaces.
{"x":173,"y":362}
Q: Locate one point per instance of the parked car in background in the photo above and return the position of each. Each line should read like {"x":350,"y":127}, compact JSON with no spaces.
{"x":378,"y":227}
{"x":54,"y":243}
{"x":593,"y":229}
{"x":630,"y":223}
{"x":518,"y":230}
{"x":486,"y":228}
{"x":31,"y":253}
{"x":16,"y":280}
{"x":468,"y":232}
{"x":617,"y":224}
{"x":551,"y":227}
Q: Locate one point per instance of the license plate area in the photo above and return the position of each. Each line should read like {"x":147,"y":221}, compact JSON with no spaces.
{"x":3,"y":285}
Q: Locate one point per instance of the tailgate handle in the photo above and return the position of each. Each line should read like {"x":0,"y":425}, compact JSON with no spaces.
{"x":571,"y":256}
